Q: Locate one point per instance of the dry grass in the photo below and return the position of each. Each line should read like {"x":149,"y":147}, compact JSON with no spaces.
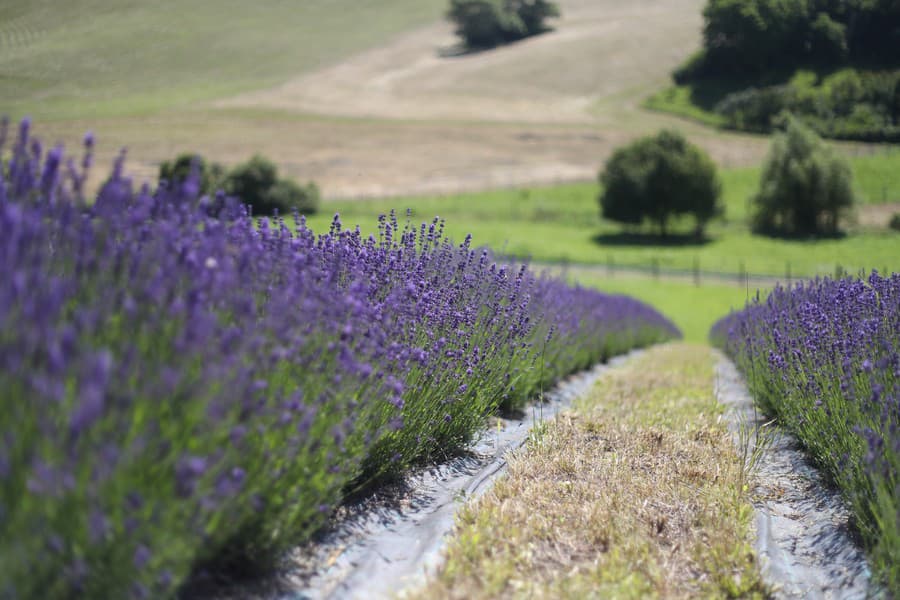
{"x":600,"y":51}
{"x":635,"y":494}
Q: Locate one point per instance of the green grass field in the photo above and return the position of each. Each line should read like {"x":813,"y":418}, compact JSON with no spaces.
{"x":94,"y":58}
{"x":692,"y":308}
{"x":561,"y":224}
{"x":677,"y":100}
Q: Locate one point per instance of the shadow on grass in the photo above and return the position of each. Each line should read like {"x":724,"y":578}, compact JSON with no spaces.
{"x":460,"y":49}
{"x":672,"y":240}
{"x":801,"y":237}
{"x":708,"y":90}
{"x":707,"y":93}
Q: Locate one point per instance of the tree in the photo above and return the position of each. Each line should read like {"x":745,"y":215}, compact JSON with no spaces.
{"x":658,"y":177}
{"x":753,"y":35}
{"x":534,"y":13}
{"x":805,"y":187}
{"x":257,"y":184}
{"x":288,"y":195}
{"x":488,"y":23}
{"x":251,"y":181}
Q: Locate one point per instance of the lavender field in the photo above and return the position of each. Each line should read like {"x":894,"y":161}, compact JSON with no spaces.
{"x":186,"y":387}
{"x":824,"y":358}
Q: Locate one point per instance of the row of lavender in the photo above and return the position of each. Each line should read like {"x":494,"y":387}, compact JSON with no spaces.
{"x":182,"y":386}
{"x":824,"y":358}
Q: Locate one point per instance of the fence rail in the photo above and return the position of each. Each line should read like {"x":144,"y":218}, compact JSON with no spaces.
{"x":652,"y":269}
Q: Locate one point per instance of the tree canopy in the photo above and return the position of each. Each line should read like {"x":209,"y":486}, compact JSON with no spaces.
{"x":488,"y":23}
{"x":805,"y":187}
{"x":657,"y":178}
{"x":755,"y":36}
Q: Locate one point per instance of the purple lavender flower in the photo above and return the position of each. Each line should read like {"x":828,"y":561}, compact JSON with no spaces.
{"x":820,"y":356}
{"x":185,"y":376}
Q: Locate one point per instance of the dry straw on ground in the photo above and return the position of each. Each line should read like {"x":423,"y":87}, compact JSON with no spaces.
{"x":634,"y":494}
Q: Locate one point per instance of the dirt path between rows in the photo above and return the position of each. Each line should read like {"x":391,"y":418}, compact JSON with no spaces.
{"x":804,"y":538}
{"x":393,"y":541}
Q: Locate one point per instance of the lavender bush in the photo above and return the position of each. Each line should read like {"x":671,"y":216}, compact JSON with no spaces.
{"x":824,"y":357}
{"x":184,"y":386}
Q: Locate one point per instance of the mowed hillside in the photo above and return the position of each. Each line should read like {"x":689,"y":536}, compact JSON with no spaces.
{"x":365,"y":97}
{"x":97,"y":57}
{"x":600,"y":52}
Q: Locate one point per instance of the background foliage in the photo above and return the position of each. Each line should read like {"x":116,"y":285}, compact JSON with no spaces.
{"x":487,"y":23}
{"x":832,"y":63}
{"x":805,"y":187}
{"x":657,"y":178}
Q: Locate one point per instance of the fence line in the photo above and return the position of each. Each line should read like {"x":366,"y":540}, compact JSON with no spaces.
{"x":651,"y":269}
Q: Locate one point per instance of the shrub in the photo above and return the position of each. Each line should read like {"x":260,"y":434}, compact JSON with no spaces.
{"x":805,"y":188}
{"x":754,"y":109}
{"x":252,"y":181}
{"x":656,"y":178}
{"x":256,"y":184}
{"x":178,"y":171}
{"x":488,"y":23}
{"x":848,"y":104}
{"x":288,"y":196}
{"x":895,"y":222}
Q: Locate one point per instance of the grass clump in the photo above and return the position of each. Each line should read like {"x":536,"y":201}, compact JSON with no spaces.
{"x":636,"y":493}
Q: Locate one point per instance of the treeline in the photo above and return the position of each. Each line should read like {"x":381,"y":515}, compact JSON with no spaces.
{"x":851,"y":49}
{"x":850,"y":104}
{"x":755,"y":37}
